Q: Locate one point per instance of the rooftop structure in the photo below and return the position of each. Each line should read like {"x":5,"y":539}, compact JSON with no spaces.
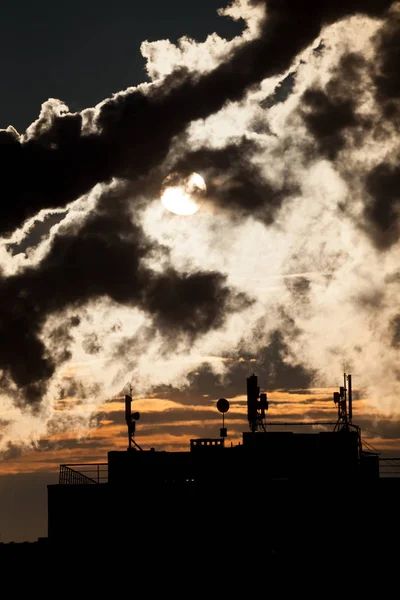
{"x":151,"y":496}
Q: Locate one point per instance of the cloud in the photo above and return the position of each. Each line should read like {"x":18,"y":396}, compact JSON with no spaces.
{"x":284,"y":258}
{"x":269,"y":362}
{"x":383,"y":204}
{"x":103,"y":258}
{"x":163,"y":57}
{"x":131,"y":132}
{"x":235,"y":183}
{"x":387,"y":80}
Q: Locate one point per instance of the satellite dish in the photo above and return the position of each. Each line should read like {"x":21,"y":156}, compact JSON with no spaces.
{"x":136,"y":416}
{"x":223,"y":405}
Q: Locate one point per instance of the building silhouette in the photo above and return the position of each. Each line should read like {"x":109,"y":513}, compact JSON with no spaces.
{"x":302,"y":496}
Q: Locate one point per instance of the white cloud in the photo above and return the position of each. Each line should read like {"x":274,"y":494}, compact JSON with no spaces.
{"x":163,"y":57}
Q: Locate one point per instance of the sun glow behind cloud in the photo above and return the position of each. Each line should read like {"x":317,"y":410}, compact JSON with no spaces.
{"x":183,"y":199}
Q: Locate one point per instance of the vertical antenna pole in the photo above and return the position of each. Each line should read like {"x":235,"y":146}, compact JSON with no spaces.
{"x":350,"y":398}
{"x":128,"y":417}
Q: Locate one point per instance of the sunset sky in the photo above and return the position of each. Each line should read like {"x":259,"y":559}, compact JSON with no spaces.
{"x":288,"y":111}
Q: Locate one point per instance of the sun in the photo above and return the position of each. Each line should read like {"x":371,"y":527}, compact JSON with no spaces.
{"x":182,"y":194}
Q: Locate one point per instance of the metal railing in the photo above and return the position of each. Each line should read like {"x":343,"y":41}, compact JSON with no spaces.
{"x":96,"y":473}
{"x":389,"y":467}
{"x":83,"y":473}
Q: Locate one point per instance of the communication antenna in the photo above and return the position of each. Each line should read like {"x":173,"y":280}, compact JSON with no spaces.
{"x":344,"y":404}
{"x":223,"y":407}
{"x":257,"y":404}
{"x":350,"y":396}
{"x":131,"y":419}
{"x":344,"y":400}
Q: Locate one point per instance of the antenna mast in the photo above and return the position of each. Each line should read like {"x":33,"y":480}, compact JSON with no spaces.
{"x":257,"y":404}
{"x":131,"y":419}
{"x":344,"y":400}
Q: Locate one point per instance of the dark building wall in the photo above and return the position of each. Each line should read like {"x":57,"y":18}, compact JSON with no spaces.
{"x":78,"y":512}
{"x":271,"y":482}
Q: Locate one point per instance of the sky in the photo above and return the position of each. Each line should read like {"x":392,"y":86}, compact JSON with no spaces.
{"x":289,"y":111}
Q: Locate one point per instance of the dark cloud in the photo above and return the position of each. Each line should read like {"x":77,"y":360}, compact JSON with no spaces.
{"x":327,"y":399}
{"x":333,"y":118}
{"x":382,"y":204}
{"x":134,"y":130}
{"x":272,"y":365}
{"x":234,"y":183}
{"x":44,"y":448}
{"x":380,"y":427}
{"x":91,"y":343}
{"x":191,"y":303}
{"x":395,"y":328}
{"x":131,"y":137}
{"x":330,"y":114}
{"x":183,"y":430}
{"x":131,"y":347}
{"x":327,"y":119}
{"x":387,"y":76}
{"x":393,"y":277}
{"x":299,"y":286}
{"x":382,"y":182}
{"x":72,"y":388}
{"x":174,"y":416}
{"x":104,"y":258}
{"x":371,"y":299}
{"x":236,"y":423}
{"x":60,"y":337}
{"x":204,"y":385}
